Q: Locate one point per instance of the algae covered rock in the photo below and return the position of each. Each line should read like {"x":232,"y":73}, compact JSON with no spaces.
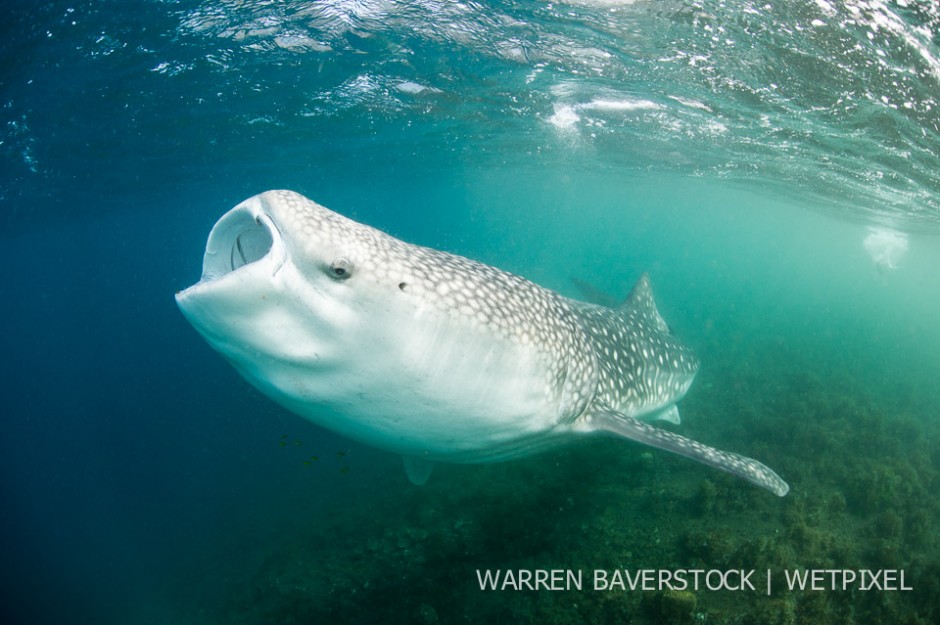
{"x":672,"y":606}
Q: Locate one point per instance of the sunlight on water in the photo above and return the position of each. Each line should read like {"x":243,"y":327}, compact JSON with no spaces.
{"x":886,"y":247}
{"x":835,"y":101}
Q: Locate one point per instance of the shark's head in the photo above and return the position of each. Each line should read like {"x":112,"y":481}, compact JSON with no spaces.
{"x":284,"y":278}
{"x":383,"y":341}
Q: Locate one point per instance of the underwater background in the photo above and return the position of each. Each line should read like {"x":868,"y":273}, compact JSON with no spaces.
{"x":774,"y":166}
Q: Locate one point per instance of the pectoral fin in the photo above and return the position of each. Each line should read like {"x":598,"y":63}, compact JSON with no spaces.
{"x":668,"y":415}
{"x":606,"y":419}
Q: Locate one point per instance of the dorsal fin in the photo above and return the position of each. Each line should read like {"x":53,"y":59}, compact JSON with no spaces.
{"x":641,"y":300}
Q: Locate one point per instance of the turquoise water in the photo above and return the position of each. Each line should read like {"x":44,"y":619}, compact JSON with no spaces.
{"x":773,"y":166}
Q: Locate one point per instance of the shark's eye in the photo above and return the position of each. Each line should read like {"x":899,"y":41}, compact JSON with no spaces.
{"x":341,"y":269}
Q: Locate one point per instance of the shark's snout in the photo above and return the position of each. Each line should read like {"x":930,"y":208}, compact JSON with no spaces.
{"x":245,"y":246}
{"x":242,"y":236}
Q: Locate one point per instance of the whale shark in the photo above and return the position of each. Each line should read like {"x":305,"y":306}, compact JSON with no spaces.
{"x":430,"y":355}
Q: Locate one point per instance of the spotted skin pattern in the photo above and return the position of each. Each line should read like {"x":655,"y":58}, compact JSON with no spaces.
{"x":505,"y":304}
{"x":591,"y":369}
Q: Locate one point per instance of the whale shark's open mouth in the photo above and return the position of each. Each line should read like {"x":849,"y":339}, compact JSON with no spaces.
{"x":244,"y":235}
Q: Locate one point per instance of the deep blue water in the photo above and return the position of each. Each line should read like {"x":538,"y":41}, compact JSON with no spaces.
{"x":742,"y":156}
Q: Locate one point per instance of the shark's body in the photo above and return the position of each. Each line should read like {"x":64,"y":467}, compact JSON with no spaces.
{"x":431,"y":355}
